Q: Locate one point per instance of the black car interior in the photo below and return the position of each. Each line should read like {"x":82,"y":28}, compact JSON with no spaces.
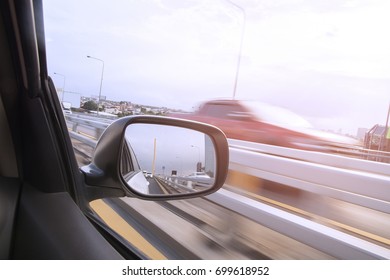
{"x":39,"y":215}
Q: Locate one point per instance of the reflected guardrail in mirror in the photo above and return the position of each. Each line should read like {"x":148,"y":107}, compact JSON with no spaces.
{"x":173,"y":160}
{"x":174,"y":184}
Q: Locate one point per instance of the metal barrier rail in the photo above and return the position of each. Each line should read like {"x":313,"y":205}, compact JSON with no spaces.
{"x":86,"y":140}
{"x":186,"y":183}
{"x":176,"y":183}
{"x":344,"y":178}
{"x":315,"y":157}
{"x":98,"y":125}
{"x":323,"y":238}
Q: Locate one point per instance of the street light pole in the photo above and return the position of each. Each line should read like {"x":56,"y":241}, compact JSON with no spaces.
{"x":240,"y":49}
{"x":63,"y":87}
{"x":199,"y":163}
{"x":193,"y":146}
{"x":101,"y":80}
{"x":154,"y":157}
{"x":384,"y":138}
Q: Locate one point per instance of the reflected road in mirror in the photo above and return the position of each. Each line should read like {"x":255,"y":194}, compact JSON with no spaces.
{"x":172,"y":160}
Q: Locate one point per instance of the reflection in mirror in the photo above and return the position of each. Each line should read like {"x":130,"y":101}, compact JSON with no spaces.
{"x":162,"y":159}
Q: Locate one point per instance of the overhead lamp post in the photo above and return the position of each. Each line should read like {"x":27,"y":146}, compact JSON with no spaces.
{"x":199,"y":163}
{"x":63,"y":87}
{"x":101,"y":80}
{"x":180,"y":166}
{"x":386,"y":135}
{"x":193,"y":146}
{"x":240,"y":49}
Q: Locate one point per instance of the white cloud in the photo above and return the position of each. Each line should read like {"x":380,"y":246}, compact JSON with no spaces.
{"x":348,"y":42}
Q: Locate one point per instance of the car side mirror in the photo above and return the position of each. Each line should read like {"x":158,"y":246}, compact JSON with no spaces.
{"x":157,"y":158}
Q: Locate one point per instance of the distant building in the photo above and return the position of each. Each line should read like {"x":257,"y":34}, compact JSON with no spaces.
{"x":361,"y":133}
{"x":377,"y":138}
{"x":125,"y":106}
{"x":113,"y":110}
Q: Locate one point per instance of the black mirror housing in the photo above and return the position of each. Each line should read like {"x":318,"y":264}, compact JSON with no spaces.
{"x":103,"y":177}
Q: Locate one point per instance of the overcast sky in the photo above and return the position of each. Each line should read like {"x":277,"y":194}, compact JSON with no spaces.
{"x":182,"y":155}
{"x":328,"y":61}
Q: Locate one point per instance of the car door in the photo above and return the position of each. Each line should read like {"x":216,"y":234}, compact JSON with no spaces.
{"x":38,"y":188}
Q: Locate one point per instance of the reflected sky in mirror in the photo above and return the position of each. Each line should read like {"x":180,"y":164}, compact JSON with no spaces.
{"x":169,"y":150}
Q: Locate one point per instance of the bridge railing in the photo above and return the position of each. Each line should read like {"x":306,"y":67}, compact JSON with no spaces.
{"x":185,"y":183}
{"x":361,"y":182}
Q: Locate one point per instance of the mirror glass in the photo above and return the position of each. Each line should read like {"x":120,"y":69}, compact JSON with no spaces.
{"x":162,"y":159}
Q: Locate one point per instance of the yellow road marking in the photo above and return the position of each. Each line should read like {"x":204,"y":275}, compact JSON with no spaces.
{"x":118,"y":224}
{"x":162,"y":188}
{"x":317,"y":217}
{"x":86,"y":135}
